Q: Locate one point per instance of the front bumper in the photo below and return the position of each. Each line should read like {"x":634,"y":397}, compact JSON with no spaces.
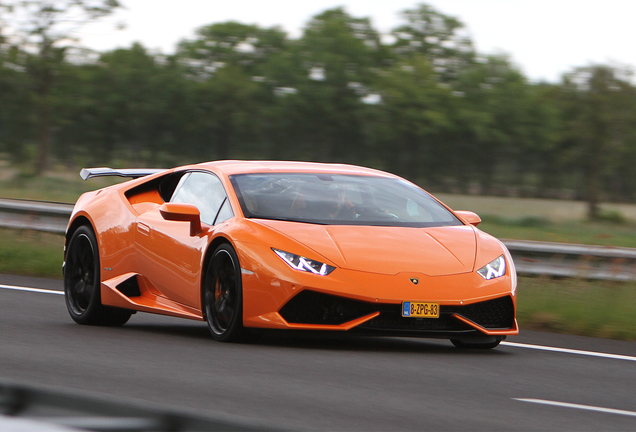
{"x":311,"y":308}
{"x":278,"y":297}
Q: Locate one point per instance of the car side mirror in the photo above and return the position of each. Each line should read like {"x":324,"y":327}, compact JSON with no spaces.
{"x":182,"y":212}
{"x":468,"y":217}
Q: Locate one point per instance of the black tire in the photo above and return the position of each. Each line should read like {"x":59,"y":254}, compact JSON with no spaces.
{"x":82,"y":283}
{"x":475,"y":345}
{"x":223,"y":296}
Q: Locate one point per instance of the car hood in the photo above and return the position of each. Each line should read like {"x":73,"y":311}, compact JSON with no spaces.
{"x":387,"y":250}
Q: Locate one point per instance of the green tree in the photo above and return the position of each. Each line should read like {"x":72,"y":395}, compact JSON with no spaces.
{"x":500,"y":125}
{"x":413,"y":116}
{"x":442,"y":39}
{"x":339,"y":55}
{"x":43,"y":30}
{"x":233,"y":44}
{"x":622,"y":183}
{"x":228,"y":65}
{"x":598,"y":105}
{"x":225,"y":114}
{"x":130,"y":105}
{"x":16,"y":106}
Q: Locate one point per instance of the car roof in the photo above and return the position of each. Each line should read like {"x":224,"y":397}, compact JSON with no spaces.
{"x":230,"y":167}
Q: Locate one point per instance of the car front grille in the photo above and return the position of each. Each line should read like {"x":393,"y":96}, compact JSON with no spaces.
{"x":498,"y":313}
{"x":311,"y":307}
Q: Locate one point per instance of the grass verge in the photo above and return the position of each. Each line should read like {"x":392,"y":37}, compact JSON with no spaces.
{"x":31,"y":253}
{"x":574,"y":306}
{"x":583,"y":232}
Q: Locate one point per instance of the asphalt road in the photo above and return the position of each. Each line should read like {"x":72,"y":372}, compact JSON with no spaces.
{"x":324,"y":383}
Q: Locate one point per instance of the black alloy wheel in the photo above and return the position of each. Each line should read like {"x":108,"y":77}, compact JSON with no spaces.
{"x":82,"y":283}
{"x":223,"y":296}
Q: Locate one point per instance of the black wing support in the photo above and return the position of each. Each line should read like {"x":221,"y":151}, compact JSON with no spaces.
{"x":87,"y":173}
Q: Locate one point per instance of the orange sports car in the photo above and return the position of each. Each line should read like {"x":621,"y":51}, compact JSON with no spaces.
{"x":251,"y":245}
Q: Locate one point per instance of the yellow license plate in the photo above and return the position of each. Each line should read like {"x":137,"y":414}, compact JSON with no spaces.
{"x":420,"y":310}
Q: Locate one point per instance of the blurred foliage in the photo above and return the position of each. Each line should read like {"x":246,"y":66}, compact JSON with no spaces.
{"x":423,"y":104}
{"x":40,"y":36}
{"x":52,"y":187}
{"x":526,"y":221}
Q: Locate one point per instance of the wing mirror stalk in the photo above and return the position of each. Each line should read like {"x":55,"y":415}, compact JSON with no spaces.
{"x":182,"y":212}
{"x":468,"y":217}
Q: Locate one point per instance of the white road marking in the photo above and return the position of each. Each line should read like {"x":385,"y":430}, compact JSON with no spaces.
{"x":570,"y":351}
{"x":577,"y":406}
{"x":512,"y":344}
{"x":38,"y":290}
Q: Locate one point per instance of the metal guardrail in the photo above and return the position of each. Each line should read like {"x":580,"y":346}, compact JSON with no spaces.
{"x":530,"y":257}
{"x":34,"y":215}
{"x":573,"y":260}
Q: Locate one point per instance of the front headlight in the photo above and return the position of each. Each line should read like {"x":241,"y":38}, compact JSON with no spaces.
{"x":494,"y":269}
{"x":304,"y":264}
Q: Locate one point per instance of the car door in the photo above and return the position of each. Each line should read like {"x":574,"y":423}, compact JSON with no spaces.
{"x":169,"y":256}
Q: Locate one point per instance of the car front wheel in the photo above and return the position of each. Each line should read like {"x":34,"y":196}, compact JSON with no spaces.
{"x":223,"y":295}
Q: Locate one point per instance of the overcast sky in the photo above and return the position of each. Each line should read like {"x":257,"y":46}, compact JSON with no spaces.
{"x":545,"y":38}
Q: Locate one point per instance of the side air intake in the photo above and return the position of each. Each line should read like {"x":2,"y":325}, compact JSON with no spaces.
{"x":129,"y":287}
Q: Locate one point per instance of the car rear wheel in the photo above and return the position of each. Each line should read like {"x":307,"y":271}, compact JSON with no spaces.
{"x":223,"y":295}
{"x":82,"y":283}
{"x":475,"y":345}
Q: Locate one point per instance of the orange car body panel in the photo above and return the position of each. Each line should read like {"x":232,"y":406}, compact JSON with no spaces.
{"x":167,"y":257}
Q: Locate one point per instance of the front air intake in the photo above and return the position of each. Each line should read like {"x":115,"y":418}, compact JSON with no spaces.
{"x":311,"y":307}
{"x":491,"y":314}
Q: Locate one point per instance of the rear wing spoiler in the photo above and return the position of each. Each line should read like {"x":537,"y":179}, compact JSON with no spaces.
{"x":87,"y":173}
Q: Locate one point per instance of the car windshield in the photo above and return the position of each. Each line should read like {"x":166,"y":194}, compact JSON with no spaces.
{"x":334,"y":199}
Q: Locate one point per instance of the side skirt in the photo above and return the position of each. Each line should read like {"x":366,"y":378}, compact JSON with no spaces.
{"x":112,"y":291}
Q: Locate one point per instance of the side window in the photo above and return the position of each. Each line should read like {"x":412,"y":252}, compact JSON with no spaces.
{"x":206,"y":192}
